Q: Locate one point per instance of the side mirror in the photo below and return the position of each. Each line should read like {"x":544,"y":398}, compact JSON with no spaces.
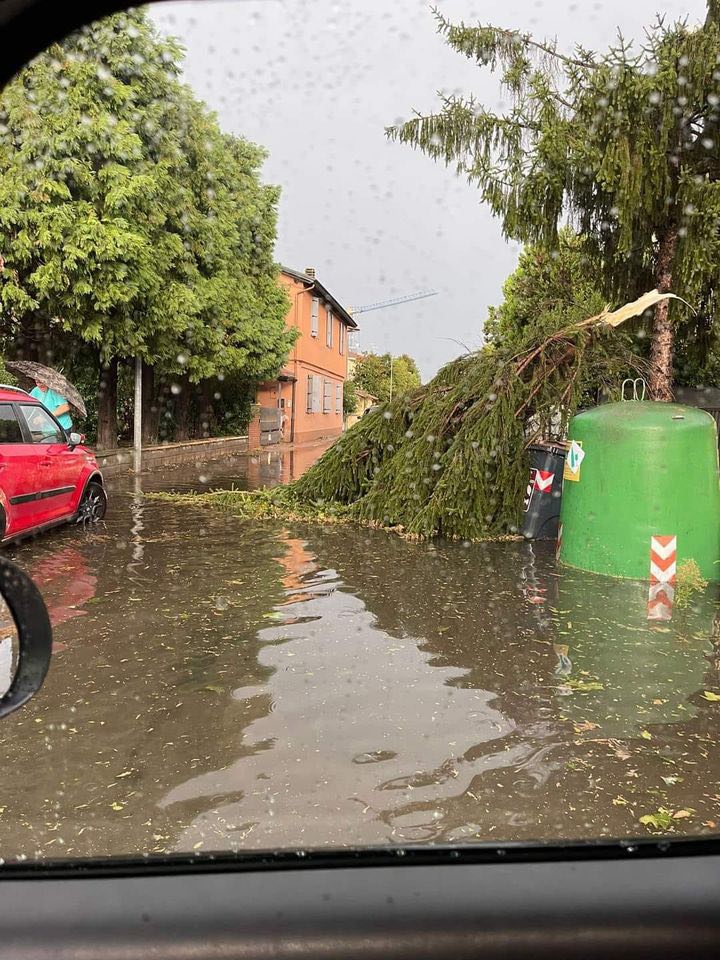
{"x":75,"y":439}
{"x":33,"y":636}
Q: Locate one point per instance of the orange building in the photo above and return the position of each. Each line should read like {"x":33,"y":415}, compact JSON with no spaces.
{"x":306,"y":400}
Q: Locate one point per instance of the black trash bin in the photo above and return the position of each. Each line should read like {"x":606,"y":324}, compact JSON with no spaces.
{"x":543,"y":496}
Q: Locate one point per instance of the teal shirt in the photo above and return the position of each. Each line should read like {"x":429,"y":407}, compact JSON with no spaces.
{"x":51,"y":401}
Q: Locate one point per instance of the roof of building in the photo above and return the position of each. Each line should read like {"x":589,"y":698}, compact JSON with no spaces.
{"x":313,"y":282}
{"x":365,"y":394}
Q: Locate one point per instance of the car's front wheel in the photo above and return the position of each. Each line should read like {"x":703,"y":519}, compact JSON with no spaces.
{"x":93,"y":504}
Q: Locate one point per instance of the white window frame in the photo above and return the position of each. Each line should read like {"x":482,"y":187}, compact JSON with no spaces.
{"x":314,"y":314}
{"x":328,"y":327}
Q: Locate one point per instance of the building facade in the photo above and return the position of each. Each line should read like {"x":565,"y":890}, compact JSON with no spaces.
{"x":305,"y":402}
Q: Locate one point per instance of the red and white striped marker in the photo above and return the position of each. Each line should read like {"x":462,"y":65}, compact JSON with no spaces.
{"x":660,"y":601}
{"x":558,"y":544}
{"x":663,"y":570}
{"x":663,"y":559}
{"x":543,"y":480}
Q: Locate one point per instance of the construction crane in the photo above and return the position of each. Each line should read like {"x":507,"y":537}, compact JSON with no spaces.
{"x":393,"y":302}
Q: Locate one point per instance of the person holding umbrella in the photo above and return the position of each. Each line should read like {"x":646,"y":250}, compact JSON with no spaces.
{"x":55,"y":403}
{"x":52,"y":389}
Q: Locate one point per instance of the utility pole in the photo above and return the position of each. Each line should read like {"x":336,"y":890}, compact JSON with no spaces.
{"x":137,"y":424}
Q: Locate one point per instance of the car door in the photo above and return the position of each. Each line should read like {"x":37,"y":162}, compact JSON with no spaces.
{"x":19,"y":471}
{"x":59,"y":466}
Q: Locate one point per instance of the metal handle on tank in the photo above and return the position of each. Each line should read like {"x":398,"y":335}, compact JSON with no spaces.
{"x":638,"y":392}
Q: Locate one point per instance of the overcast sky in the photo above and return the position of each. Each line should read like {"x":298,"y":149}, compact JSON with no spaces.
{"x":316,"y":82}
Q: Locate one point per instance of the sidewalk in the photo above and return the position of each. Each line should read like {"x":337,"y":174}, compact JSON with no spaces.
{"x":114,"y":462}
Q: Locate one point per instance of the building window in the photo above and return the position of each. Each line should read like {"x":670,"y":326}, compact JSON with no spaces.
{"x":329,"y":328}
{"x":338,"y":395}
{"x":314,"y":316}
{"x":314,"y":388}
{"x":341,"y":338}
{"x":327,"y":396}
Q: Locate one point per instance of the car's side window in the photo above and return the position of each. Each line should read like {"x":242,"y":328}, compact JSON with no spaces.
{"x":10,"y":431}
{"x":42,"y":426}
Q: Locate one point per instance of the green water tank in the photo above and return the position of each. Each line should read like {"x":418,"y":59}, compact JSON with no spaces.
{"x":646,"y":470}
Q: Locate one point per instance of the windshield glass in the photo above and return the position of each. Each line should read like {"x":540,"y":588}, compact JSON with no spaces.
{"x":387,"y":510}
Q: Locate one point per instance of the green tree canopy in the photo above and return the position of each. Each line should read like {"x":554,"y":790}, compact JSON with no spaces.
{"x":128,"y":219}
{"x":373,"y":374}
{"x":622,"y":144}
{"x":547,"y":289}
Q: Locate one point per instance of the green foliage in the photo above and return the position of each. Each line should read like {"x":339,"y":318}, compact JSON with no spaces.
{"x":624,"y":144}
{"x":349,"y":397}
{"x":278,"y":503}
{"x":660,"y":820}
{"x":542,"y":288}
{"x":5,"y":375}
{"x":129,"y":221}
{"x":373,"y":374}
{"x":450,"y":458}
{"x":689,"y":581}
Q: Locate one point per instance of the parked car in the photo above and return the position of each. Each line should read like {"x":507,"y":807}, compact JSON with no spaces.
{"x":47,"y":476}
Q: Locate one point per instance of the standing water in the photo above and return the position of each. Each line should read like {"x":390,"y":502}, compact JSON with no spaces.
{"x":219,"y":684}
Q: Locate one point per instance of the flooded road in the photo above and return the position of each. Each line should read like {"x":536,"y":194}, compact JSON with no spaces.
{"x":219,"y":684}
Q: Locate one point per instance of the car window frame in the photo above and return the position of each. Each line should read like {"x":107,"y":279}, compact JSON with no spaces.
{"x":27,"y":432}
{"x":27,"y":27}
{"x":21,"y":423}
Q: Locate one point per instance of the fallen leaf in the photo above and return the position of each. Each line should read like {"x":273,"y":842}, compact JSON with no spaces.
{"x":645,"y":735}
{"x":681,"y":814}
{"x":712,"y":697}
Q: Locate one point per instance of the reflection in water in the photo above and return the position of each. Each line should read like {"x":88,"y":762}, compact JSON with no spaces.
{"x":255,"y":685}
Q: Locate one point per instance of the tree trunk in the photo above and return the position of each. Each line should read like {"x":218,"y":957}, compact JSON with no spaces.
{"x":207,"y":413}
{"x":182,"y":410}
{"x":107,"y":430}
{"x":150,"y":406}
{"x":663,"y":335}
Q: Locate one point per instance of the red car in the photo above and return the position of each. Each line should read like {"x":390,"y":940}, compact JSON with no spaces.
{"x":47,"y":477}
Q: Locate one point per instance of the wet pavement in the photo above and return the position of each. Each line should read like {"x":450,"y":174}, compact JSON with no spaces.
{"x":219,"y":684}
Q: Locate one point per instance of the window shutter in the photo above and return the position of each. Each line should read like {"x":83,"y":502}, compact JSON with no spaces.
{"x":341,"y":338}
{"x":327,"y":396}
{"x":338,"y":397}
{"x":314,"y":316}
{"x":329,"y":328}
{"x":317,"y":387}
{"x":309,"y":404}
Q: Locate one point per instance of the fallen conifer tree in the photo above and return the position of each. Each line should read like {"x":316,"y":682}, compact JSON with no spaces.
{"x":451,"y":458}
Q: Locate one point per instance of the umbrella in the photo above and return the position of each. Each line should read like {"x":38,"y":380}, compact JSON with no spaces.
{"x":53,"y":378}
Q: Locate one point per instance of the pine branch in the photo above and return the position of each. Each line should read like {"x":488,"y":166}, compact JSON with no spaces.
{"x":478,"y":42}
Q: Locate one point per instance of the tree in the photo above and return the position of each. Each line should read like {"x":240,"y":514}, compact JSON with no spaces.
{"x":373,"y":374}
{"x":129,"y":221}
{"x":547,"y":289}
{"x":349,"y":397}
{"x":623,"y":145}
